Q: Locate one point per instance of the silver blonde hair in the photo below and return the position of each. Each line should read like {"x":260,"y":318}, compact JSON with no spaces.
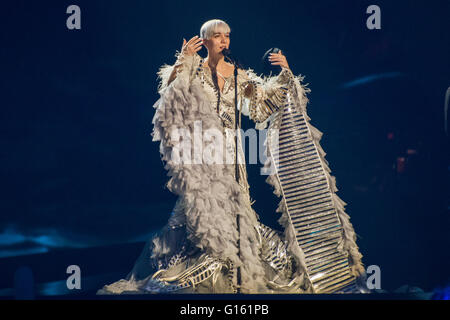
{"x":211,"y":26}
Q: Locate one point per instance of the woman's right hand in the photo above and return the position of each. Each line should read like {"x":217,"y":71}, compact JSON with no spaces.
{"x":192,"y":46}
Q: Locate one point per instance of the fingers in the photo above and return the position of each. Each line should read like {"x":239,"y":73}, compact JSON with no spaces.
{"x":277,"y":59}
{"x":197,"y":43}
{"x":276,"y":55}
{"x":197,"y":47}
{"x":194,"y":40}
{"x":193,"y":45}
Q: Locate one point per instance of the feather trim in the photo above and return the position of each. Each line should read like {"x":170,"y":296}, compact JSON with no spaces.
{"x":207,"y":189}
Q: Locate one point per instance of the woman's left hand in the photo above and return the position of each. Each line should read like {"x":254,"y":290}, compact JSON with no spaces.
{"x":278,"y":59}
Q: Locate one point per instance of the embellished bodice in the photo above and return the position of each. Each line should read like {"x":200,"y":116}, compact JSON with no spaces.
{"x":223,"y":102}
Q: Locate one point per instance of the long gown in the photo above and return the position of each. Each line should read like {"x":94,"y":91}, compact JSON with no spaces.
{"x":202,"y":246}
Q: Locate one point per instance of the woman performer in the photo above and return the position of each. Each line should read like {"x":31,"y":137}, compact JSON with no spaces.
{"x":213,"y":241}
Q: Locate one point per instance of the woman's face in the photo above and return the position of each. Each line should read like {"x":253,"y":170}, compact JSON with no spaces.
{"x":218,"y":41}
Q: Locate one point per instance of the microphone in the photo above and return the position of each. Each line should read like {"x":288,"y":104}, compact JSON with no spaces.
{"x":231,"y":58}
{"x":226,"y":52}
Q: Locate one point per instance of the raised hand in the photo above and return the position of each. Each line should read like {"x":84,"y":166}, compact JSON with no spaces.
{"x":192,"y":46}
{"x":278,"y":59}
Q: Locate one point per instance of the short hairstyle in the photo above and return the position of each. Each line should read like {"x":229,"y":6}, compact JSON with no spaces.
{"x":209,"y":27}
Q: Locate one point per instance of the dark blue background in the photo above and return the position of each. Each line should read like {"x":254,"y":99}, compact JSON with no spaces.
{"x":79,"y":169}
